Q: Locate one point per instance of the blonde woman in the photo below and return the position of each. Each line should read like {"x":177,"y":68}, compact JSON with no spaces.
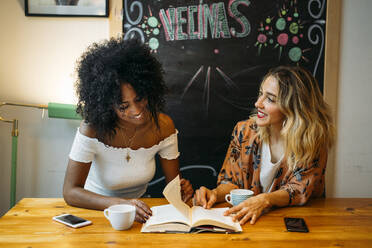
{"x":280,"y":153}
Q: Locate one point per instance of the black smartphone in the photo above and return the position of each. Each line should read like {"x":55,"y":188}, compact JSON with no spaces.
{"x":295,"y":225}
{"x":72,"y":220}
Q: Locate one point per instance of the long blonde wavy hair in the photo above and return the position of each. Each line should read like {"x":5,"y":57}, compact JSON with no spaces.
{"x":308,"y":127}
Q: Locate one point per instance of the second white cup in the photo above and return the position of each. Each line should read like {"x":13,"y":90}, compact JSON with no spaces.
{"x":121,"y":216}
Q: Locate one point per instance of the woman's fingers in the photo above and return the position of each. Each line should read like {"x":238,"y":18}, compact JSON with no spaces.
{"x":186,"y":190}
{"x":197,"y":201}
{"x":143,"y":212}
{"x":140,"y":215}
{"x":251,"y":209}
{"x":200,"y":196}
{"x":245,"y":218}
{"x":212,"y":198}
{"x":253,"y":219}
{"x":144,"y":207}
{"x":205,"y":194}
{"x":241,"y":214}
{"x":184,"y":182}
{"x":139,"y":218}
{"x":232,"y":210}
{"x":189,"y":190}
{"x":205,"y":197}
{"x":187,"y":196}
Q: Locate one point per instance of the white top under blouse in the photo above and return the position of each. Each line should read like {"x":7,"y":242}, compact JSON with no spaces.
{"x":268,"y":169}
{"x":111,"y":174}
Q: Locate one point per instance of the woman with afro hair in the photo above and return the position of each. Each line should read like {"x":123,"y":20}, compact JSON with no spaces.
{"x":121,"y":92}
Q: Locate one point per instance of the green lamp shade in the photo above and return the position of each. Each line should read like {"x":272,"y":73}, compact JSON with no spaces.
{"x":63,"y":111}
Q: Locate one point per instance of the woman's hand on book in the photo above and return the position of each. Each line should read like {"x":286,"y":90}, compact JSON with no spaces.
{"x":143,"y":212}
{"x":250,"y":209}
{"x":186,"y":190}
{"x":205,"y":197}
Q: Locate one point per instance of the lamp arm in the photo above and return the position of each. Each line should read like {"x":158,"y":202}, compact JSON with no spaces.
{"x":4,"y":120}
{"x":39,"y":106}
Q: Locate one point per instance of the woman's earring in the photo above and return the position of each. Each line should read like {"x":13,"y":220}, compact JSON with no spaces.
{"x":284,"y":122}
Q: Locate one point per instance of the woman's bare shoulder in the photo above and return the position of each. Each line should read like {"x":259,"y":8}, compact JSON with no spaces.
{"x":87,"y":130}
{"x":166,"y":125}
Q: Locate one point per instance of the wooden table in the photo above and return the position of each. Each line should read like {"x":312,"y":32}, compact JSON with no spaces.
{"x":332,"y":223}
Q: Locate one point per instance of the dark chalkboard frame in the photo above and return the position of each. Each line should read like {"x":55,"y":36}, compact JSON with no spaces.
{"x":331,"y":64}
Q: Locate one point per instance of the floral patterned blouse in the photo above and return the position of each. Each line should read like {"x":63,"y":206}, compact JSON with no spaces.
{"x":242,"y":168}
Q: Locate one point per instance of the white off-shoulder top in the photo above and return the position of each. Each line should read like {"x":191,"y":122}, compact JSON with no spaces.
{"x":111,"y":174}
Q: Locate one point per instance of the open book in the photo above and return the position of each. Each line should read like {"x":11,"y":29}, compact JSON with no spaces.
{"x":179,"y":217}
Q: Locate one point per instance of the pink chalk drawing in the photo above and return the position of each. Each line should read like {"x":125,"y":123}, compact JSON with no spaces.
{"x":282,"y":32}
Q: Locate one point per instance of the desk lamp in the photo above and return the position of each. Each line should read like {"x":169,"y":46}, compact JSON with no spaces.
{"x":55,"y":110}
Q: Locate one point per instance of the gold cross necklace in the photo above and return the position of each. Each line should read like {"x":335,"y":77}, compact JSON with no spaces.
{"x":129,"y":141}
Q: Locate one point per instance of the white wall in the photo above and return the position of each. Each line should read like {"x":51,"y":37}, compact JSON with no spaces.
{"x":37,"y":61}
{"x":37,"y":56}
{"x":354,"y":150}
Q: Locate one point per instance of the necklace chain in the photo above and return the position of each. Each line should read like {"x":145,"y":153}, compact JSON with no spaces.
{"x":129,"y":141}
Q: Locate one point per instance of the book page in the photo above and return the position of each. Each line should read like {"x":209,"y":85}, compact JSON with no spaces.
{"x":166,"y":218}
{"x":166,"y":214}
{"x":172,"y":193}
{"x":214,"y":216}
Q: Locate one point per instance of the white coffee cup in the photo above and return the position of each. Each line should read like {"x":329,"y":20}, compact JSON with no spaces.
{"x":121,"y":216}
{"x":237,"y":196}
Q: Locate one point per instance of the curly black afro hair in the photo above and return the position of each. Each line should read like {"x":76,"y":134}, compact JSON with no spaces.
{"x":103,"y":68}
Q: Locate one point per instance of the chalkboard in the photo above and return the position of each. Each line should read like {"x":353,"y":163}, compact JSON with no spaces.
{"x":215,"y":54}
